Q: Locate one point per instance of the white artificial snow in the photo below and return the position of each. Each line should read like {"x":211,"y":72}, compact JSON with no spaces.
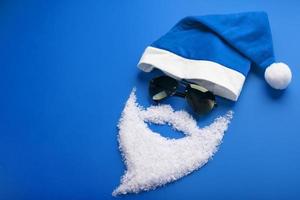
{"x":153,"y":160}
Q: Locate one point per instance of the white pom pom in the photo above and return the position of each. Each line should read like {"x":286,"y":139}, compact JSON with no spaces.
{"x":278,"y":75}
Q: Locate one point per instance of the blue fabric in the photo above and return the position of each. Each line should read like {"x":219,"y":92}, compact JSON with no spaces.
{"x":233,"y":40}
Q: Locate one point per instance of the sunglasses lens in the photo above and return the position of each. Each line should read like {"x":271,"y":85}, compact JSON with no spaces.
{"x":201,"y":100}
{"x":162,"y":87}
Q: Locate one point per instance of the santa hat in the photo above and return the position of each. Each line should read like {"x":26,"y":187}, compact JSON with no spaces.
{"x":217,"y":51}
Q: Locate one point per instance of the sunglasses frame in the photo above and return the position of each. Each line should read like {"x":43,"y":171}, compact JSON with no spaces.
{"x":188,"y":87}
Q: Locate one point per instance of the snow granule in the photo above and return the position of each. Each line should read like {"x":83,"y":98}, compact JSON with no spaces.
{"x":153,"y":160}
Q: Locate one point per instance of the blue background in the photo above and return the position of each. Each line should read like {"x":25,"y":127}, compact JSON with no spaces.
{"x":66,"y":70}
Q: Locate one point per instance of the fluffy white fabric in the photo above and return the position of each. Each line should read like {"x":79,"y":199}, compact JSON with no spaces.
{"x":217,"y":78}
{"x":152,"y":160}
{"x":278,"y":75}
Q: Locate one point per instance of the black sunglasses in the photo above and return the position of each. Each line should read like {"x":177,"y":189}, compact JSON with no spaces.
{"x":199,"y":98}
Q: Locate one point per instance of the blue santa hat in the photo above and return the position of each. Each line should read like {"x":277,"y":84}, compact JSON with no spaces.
{"x":217,"y":51}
